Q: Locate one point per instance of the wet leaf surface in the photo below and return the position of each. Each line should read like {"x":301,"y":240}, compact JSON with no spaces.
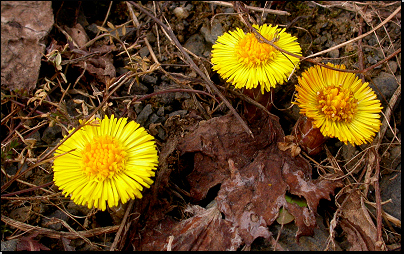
{"x":30,"y":244}
{"x":358,"y":225}
{"x":254,"y":176}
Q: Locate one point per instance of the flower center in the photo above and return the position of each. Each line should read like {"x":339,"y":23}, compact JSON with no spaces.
{"x":103,"y":158}
{"x":337,"y":103}
{"x":252,"y":53}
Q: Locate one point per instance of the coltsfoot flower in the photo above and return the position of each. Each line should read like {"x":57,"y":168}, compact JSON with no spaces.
{"x":339,"y":103}
{"x":112,"y":162}
{"x":244,"y":61}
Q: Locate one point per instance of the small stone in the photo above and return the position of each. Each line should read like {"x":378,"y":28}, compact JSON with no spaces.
{"x":139,"y":88}
{"x":334,"y":53}
{"x":160,"y":111}
{"x":195,"y":44}
{"x":229,"y":10}
{"x":371,"y":60}
{"x":144,"y":115}
{"x":181,"y":12}
{"x":20,"y":214}
{"x":138,"y":107}
{"x":393,"y":66}
{"x":56,"y":226}
{"x":93,"y":29}
{"x":211,"y":34}
{"x":180,"y":96}
{"x":150,"y":80}
{"x":180,"y":113}
{"x":76,"y":209}
{"x":386,"y":83}
{"x":10,"y":245}
{"x":391,"y":189}
{"x":151,"y":37}
{"x":144,"y":52}
{"x":154,"y":118}
{"x":51,"y":134}
{"x":157,"y":130}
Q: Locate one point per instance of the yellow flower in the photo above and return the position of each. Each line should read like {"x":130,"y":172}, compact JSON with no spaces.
{"x":339,"y":103}
{"x":243,"y":60}
{"x":112,"y":162}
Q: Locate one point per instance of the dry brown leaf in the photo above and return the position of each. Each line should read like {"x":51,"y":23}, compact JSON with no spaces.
{"x":30,"y":244}
{"x":254,"y":175}
{"x":205,"y":230}
{"x":357,"y":224}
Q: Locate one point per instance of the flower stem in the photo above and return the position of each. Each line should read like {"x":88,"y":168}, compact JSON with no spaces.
{"x":251,"y":112}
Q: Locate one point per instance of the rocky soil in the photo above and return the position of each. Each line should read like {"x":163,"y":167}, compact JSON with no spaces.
{"x":60,"y":60}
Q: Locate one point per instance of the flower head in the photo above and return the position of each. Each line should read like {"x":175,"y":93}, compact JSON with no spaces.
{"x":246,"y":62}
{"x":112,"y":162}
{"x":339,"y":103}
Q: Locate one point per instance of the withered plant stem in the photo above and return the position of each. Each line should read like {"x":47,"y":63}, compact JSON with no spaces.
{"x":58,"y":234}
{"x":135,"y":98}
{"x":27,"y":190}
{"x":195,"y":67}
{"x":45,"y":158}
{"x":262,"y":38}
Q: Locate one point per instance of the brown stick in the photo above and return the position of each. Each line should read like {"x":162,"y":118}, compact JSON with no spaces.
{"x":27,"y":190}
{"x":258,"y":9}
{"x":379,"y":223}
{"x":43,"y":159}
{"x":57,"y":234}
{"x":262,"y":38}
{"x":122,"y":225}
{"x":359,"y":37}
{"x":195,"y":67}
{"x":360,"y":50}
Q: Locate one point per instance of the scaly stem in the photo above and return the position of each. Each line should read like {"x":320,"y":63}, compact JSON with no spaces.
{"x":251,"y":112}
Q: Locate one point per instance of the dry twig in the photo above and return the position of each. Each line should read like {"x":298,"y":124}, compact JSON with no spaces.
{"x":57,"y":234}
{"x":195,"y":67}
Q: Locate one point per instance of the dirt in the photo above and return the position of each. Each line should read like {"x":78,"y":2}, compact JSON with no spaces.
{"x":216,"y":187}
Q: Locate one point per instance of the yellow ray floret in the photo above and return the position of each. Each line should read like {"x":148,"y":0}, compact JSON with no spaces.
{"x":246,"y":62}
{"x":112,"y":162}
{"x":340,"y":104}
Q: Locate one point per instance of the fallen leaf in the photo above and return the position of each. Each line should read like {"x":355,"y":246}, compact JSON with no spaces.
{"x":28,"y":243}
{"x":205,"y":230}
{"x":357,"y":224}
{"x":254,"y":175}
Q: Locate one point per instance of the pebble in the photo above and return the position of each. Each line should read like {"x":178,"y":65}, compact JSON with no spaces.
{"x":181,"y":12}
{"x":386,"y":83}
{"x":20,"y":214}
{"x":157,"y":130}
{"x":393,"y":66}
{"x":144,"y":115}
{"x":144,"y":52}
{"x":213,"y":33}
{"x":196,"y":44}
{"x":166,"y":98}
{"x":93,"y":28}
{"x":391,"y":189}
{"x":149,"y":80}
{"x":154,"y":118}
{"x":10,"y":245}
{"x":55,"y":226}
{"x":50,"y":134}
{"x":160,"y":111}
{"x":138,"y":88}
{"x":334,"y":53}
{"x":138,"y":107}
{"x":180,"y":113}
{"x":371,"y":60}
